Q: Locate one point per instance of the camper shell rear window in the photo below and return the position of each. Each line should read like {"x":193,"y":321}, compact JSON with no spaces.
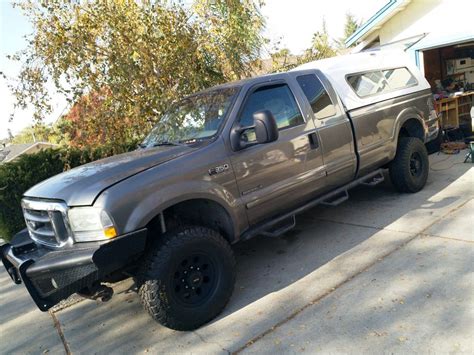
{"x":378,"y":81}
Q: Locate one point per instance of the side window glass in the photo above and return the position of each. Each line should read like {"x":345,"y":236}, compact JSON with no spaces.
{"x":399,"y":78}
{"x":370,"y":83}
{"x":317,"y":96}
{"x":279,"y":100}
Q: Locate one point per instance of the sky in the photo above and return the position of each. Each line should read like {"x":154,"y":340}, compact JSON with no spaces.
{"x":290,"y":22}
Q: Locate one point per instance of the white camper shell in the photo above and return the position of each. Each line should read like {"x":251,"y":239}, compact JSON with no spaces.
{"x":339,"y":71}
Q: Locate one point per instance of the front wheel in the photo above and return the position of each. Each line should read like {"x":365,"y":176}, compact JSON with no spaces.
{"x":187,"y":278}
{"x":409,"y":170}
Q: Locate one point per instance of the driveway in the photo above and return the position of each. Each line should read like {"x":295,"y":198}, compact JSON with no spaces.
{"x":383,"y":272}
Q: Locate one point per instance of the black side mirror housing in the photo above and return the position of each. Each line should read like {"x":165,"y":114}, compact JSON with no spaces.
{"x":266,"y":128}
{"x":266,"y":131}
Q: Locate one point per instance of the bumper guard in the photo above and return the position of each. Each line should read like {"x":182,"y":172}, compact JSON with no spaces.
{"x":53,"y":275}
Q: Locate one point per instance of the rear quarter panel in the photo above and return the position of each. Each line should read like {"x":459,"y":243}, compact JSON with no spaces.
{"x":377,"y":126}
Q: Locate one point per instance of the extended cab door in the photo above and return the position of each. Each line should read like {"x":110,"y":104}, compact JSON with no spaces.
{"x":332,"y":125}
{"x":272,"y":177}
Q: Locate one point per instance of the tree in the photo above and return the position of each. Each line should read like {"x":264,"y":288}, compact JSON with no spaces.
{"x":321,"y":47}
{"x":82,"y":128}
{"x":132,"y":58}
{"x":350,"y":26}
{"x":39,"y":132}
{"x":282,"y":60}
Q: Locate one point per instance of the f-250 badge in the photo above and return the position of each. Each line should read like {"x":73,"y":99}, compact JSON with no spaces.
{"x":218,"y":169}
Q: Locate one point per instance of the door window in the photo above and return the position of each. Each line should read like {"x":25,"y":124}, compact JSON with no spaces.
{"x":317,"y":96}
{"x":279,"y":100}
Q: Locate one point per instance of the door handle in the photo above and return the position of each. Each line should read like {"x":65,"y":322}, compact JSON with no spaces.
{"x":313,"y":140}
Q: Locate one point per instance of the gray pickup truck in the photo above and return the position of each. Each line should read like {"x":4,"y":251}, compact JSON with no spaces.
{"x":223,"y":165}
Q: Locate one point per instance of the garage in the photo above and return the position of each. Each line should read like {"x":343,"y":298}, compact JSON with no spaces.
{"x":449,"y":68}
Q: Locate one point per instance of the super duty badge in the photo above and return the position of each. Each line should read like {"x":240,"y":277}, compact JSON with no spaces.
{"x":218,"y":169}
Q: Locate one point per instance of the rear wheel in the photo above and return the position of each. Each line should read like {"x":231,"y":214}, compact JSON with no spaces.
{"x":188,"y":278}
{"x":409,"y":170}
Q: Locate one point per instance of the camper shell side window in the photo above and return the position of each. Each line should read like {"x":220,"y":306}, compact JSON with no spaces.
{"x":381,"y":81}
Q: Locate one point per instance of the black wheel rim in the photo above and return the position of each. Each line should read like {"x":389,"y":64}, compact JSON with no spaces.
{"x":194,"y":279}
{"x":416,"y":164}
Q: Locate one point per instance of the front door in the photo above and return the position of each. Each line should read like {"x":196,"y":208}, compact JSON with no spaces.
{"x":271,"y":177}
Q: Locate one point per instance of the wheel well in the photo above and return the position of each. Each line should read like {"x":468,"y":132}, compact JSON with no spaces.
{"x":202,"y":212}
{"x":412,"y":128}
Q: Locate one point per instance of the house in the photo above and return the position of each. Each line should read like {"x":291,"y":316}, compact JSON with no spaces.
{"x":12,"y":151}
{"x":438,"y":34}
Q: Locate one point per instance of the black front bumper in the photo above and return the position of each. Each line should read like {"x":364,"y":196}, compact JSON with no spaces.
{"x":53,"y":275}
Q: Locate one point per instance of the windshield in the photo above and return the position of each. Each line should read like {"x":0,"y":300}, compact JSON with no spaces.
{"x":194,"y":118}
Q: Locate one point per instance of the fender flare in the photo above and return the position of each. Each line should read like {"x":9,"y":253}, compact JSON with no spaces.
{"x":405,"y":115}
{"x":159,"y":201}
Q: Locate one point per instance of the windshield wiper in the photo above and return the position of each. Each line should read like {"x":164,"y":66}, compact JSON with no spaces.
{"x":157,"y":144}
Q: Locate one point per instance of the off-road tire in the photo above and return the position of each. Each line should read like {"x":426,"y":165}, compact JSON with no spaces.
{"x":409,"y":170}
{"x":181,"y":259}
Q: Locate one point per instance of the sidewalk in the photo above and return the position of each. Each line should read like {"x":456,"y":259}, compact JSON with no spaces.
{"x":383,"y":272}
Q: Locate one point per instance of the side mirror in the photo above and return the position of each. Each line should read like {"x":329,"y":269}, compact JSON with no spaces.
{"x":265,"y":127}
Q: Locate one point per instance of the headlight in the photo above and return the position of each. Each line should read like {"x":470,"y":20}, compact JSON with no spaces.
{"x":90,"y":224}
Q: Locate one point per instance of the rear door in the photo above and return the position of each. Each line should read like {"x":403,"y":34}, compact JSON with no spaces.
{"x":333,"y":127}
{"x":272,"y":177}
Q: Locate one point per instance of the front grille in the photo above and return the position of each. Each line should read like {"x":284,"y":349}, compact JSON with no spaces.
{"x":46,"y":222}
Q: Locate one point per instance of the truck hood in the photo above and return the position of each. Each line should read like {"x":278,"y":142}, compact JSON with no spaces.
{"x":81,"y":186}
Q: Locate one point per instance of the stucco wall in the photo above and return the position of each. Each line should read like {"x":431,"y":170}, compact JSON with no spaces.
{"x":428,"y":16}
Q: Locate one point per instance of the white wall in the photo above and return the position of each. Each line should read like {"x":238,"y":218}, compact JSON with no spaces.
{"x":428,"y":16}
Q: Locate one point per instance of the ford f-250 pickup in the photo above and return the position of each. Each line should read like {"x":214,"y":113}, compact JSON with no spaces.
{"x":221,"y":166}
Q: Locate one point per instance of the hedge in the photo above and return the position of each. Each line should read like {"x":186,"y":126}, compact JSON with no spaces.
{"x":18,"y":176}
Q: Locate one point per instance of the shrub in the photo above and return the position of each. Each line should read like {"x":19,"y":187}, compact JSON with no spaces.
{"x":18,"y":176}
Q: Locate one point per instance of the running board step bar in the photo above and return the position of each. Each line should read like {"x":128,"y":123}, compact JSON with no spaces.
{"x":283,"y":227}
{"x":280,"y":224}
{"x":375,"y":180}
{"x":337,"y":200}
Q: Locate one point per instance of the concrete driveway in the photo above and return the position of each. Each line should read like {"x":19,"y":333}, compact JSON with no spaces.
{"x":383,"y":272}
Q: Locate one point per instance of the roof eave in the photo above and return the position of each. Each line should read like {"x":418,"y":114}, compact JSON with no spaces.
{"x":6,"y":160}
{"x":375,"y":22}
